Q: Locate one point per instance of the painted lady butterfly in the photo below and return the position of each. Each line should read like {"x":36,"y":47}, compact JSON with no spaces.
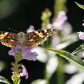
{"x":27,"y":39}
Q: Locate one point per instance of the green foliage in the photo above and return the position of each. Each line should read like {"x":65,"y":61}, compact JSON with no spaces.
{"x":79,"y":5}
{"x":80,"y":48}
{"x":3,"y":80}
{"x":59,"y":5}
{"x":70,"y":57}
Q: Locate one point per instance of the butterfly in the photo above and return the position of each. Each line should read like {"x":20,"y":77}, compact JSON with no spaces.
{"x":28,"y":39}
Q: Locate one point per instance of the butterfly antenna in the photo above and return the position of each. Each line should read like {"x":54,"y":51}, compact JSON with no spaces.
{"x":13,"y":30}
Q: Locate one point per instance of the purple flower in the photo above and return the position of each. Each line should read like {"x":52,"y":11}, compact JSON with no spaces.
{"x":81,"y":35}
{"x":26,"y":52}
{"x":30,"y":29}
{"x":60,"y":20}
{"x":14,"y":50}
{"x":24,"y":72}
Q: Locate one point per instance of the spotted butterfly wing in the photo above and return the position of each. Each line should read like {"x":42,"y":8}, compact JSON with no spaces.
{"x":8,"y":39}
{"x":36,"y":37}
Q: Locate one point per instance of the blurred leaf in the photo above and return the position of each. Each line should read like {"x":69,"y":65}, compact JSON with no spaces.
{"x":70,"y":57}
{"x":40,"y":81}
{"x":3,"y":80}
{"x":80,"y":48}
{"x":81,"y":6}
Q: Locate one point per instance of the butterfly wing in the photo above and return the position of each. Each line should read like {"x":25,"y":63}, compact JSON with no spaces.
{"x":36,"y":37}
{"x":8,"y":39}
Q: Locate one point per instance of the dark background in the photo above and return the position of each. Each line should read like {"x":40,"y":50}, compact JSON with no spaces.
{"x":28,"y":12}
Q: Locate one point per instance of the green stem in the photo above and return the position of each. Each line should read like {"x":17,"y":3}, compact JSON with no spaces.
{"x":60,"y":78}
{"x":16,"y":77}
{"x":45,"y":73}
{"x":60,"y":71}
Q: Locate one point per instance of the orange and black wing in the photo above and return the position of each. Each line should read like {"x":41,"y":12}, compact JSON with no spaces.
{"x":36,"y":37}
{"x":8,"y":39}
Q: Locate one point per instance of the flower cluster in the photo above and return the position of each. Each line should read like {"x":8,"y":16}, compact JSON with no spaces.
{"x":26,"y":52}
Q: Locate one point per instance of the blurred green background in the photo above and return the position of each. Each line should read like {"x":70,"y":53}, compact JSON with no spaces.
{"x":19,"y":15}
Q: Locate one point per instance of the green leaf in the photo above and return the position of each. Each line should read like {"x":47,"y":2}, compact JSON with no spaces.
{"x":3,"y":80}
{"x":70,"y":57}
{"x":81,"y":6}
{"x":80,"y":48}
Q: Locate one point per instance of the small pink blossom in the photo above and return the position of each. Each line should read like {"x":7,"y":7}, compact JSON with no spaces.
{"x":30,"y":29}
{"x":81,"y":35}
{"x":60,"y":20}
{"x":24,"y":72}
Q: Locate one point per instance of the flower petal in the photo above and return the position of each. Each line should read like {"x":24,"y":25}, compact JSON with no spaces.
{"x":42,"y":57}
{"x":11,"y":52}
{"x":13,"y":49}
{"x":58,"y":25}
{"x":17,"y":47}
{"x":81,"y":35}
{"x":29,"y":48}
{"x":26,"y":52}
{"x":60,"y":20}
{"x":76,"y":79}
{"x":23,"y":47}
{"x":31,"y":56}
{"x":61,"y":16}
{"x":24,"y":72}
{"x":30,"y":29}
{"x":51,"y":66}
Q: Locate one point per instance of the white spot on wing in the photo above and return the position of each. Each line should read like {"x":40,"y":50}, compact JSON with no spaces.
{"x":6,"y":33}
{"x":45,"y":31}
{"x":36,"y":32}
